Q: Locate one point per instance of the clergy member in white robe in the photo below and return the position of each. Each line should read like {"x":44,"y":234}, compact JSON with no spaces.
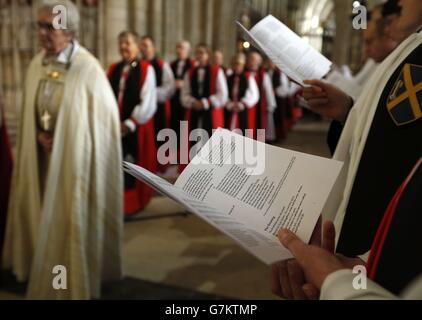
{"x":65,"y":212}
{"x":243,"y":96}
{"x":205,"y":93}
{"x":133,"y":83}
{"x":165,"y":89}
{"x":267,"y":103}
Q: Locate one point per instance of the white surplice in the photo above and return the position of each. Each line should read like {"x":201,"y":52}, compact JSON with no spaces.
{"x":339,"y":286}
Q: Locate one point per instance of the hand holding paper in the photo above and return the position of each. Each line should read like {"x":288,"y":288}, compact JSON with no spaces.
{"x":327,"y":100}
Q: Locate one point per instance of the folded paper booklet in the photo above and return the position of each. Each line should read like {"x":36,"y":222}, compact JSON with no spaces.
{"x":289,"y":52}
{"x":249,"y":191}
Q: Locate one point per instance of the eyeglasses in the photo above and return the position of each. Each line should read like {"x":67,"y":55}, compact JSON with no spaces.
{"x":45,"y":26}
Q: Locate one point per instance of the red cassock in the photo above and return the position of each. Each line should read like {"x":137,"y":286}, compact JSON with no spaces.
{"x":262,"y":106}
{"x":215,"y":119}
{"x":5,"y":179}
{"x":247,"y":118}
{"x":212,"y":118}
{"x":139,"y":146}
{"x":295,"y":111}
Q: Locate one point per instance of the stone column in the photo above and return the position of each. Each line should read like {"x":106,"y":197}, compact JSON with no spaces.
{"x":210,"y":20}
{"x":229,"y":12}
{"x":193,"y":19}
{"x":173,"y":26}
{"x":155,"y":22}
{"x":343,"y":10}
{"x":116,"y":21}
{"x":140,"y":20}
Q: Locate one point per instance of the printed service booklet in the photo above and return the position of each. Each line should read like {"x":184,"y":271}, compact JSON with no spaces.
{"x":249,"y":191}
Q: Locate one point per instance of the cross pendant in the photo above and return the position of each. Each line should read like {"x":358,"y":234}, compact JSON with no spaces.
{"x":45,"y":120}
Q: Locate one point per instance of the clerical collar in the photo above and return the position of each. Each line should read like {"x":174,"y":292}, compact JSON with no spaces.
{"x":134,"y":63}
{"x":64,"y":56}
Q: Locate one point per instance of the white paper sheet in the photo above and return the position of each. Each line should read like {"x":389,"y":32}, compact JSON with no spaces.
{"x":287,"y":50}
{"x":250,"y":199}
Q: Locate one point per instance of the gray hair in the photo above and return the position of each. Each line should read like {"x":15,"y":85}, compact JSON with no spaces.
{"x":72,"y":13}
{"x":186,"y":44}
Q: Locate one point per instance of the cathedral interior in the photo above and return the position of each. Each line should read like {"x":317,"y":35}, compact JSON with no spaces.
{"x":169,"y":253}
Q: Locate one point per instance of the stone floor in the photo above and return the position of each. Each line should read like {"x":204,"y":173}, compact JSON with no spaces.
{"x":170,"y":254}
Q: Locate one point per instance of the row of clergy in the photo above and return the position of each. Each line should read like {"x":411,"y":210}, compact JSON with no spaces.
{"x":153,"y":95}
{"x":260,"y":97}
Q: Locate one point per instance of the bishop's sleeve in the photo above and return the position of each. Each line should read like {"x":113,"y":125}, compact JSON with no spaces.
{"x":339,"y":286}
{"x":220,"y":98}
{"x":147,"y":108}
{"x":283,"y":91}
{"x":294,"y":88}
{"x":269,"y":91}
{"x":168,"y":86}
{"x":251,"y":97}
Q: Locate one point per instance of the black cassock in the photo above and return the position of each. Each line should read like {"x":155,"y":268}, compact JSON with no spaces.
{"x":178,"y":111}
{"x":392,"y":149}
{"x":396,"y":255}
{"x":246,"y":118}
{"x":138,"y":147}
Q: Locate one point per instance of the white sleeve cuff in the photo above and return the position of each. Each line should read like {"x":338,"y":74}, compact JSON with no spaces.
{"x":206,"y":104}
{"x":366,"y":256}
{"x":131,"y":125}
{"x":246,"y":104}
{"x":339,"y":286}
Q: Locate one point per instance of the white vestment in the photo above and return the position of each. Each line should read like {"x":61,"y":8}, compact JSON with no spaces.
{"x":78,"y":224}
{"x":366,"y":72}
{"x":339,"y":286}
{"x":357,"y":128}
{"x":147,"y":107}
{"x":218,"y":100}
{"x":168,"y":86}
